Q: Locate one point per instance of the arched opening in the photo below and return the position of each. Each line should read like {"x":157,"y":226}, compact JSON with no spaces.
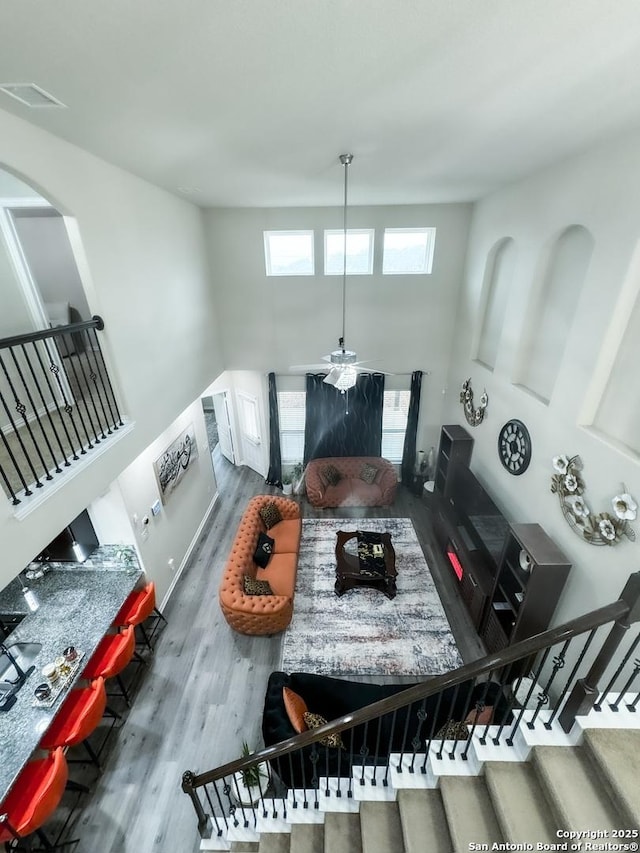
{"x":495,"y":292}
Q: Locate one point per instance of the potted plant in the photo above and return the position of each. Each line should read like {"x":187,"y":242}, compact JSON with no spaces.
{"x":249,"y":785}
{"x":287,"y":484}
{"x":297,"y":478}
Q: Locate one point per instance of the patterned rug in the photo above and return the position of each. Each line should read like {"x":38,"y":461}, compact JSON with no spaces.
{"x":363,"y":632}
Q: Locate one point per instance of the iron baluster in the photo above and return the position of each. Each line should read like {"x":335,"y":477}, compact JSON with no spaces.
{"x":364,"y":750}
{"x":570,"y":678}
{"x":213,"y":811}
{"x":558,"y":664}
{"x":45,"y":373}
{"x":45,"y":409}
{"x":314,"y":757}
{"x":614,"y":678}
{"x":14,"y":499}
{"x":94,"y":375}
{"x":374,"y":780}
{"x":16,"y":430}
{"x":68,"y":408}
{"x":416,"y":742}
{"x":80,"y":385}
{"x":104,"y":373}
{"x":405,"y":733}
{"x":188,"y":779}
{"x":449,"y":717}
{"x":432,"y":730}
{"x":534,"y":681}
{"x":627,"y":685}
{"x":34,"y":410}
{"x":465,"y":713}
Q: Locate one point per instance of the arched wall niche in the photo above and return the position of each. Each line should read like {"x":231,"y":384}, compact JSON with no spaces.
{"x":498,"y":274}
{"x":612,"y":407}
{"x":551,"y":311}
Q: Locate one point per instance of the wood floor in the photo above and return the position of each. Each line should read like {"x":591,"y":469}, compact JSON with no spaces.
{"x":202,"y":692}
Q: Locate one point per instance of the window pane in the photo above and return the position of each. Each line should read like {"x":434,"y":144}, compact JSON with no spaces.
{"x":291,"y":411}
{"x":408,"y":250}
{"x":359,"y":252}
{"x":288,"y":252}
{"x":394,"y":423}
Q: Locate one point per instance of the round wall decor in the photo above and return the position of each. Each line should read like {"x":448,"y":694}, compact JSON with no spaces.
{"x":514,"y":447}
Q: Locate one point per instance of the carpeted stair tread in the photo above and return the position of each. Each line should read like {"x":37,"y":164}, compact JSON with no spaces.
{"x":573,"y":790}
{"x":617,"y":755}
{"x":424,"y":822}
{"x":342,"y":832}
{"x":519,"y":802}
{"x":469,"y":811}
{"x":245,"y":847}
{"x":307,"y":838}
{"x":274,"y":842}
{"x":381,"y":827}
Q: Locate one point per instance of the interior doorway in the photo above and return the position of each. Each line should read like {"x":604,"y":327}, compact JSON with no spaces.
{"x":215,"y":409}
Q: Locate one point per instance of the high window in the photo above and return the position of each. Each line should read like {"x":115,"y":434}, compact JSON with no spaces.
{"x":394,"y":424}
{"x":291,"y":413}
{"x":408,"y":251}
{"x":359,"y":252}
{"x":288,"y":252}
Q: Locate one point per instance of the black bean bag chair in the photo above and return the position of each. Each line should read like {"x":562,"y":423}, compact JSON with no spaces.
{"x":371,"y":743}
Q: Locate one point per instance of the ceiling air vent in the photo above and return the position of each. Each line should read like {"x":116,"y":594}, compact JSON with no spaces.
{"x":30,"y":94}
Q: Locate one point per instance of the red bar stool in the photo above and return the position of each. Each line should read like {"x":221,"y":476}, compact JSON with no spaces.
{"x":138,"y":607}
{"x":114,"y":653}
{"x":32,"y":800}
{"x":78,"y":717}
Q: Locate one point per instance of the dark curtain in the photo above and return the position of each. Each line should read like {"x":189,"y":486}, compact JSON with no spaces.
{"x":410,"y":436}
{"x":348,"y":424}
{"x":274,"y":476}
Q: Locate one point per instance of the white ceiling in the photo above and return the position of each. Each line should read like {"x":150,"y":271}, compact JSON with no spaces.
{"x":249,"y":103}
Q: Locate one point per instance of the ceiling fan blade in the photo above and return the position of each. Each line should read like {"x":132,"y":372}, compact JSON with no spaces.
{"x":304,"y":367}
{"x":371,"y":370}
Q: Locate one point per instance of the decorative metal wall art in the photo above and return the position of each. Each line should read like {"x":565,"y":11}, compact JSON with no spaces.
{"x":606,"y":528}
{"x":171,"y":466}
{"x":473,"y":416}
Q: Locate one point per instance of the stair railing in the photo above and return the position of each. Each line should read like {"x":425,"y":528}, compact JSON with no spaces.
{"x":461,"y":694}
{"x":57,"y":403}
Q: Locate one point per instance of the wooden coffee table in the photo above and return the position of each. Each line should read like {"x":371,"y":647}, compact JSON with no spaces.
{"x":351,"y":572}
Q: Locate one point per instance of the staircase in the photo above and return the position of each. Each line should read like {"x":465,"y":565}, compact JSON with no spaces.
{"x":546,"y":781}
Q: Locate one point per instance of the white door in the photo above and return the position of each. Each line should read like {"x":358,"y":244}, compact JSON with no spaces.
{"x":250,"y":433}
{"x":223,"y":421}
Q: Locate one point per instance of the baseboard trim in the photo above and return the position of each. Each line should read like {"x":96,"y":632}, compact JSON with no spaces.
{"x":189,"y":550}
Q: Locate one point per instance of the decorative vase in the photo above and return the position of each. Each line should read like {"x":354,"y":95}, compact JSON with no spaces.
{"x":248,"y":795}
{"x":287,"y":488}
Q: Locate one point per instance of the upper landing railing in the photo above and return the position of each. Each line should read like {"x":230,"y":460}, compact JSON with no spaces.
{"x":57,"y":404}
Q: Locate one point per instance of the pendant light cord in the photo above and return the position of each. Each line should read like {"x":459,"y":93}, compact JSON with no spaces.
{"x":345,"y":159}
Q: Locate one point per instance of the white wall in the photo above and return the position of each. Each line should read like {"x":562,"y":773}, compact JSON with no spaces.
{"x":403,"y":323}
{"x":170,"y":535}
{"x":144,"y":267}
{"x":600,"y":191}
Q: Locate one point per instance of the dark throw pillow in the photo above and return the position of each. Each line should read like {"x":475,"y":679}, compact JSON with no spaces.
{"x":368,"y":473}
{"x":270,"y":514}
{"x":314,"y":721}
{"x":331,"y":474}
{"x":264,"y":550}
{"x":254,"y":587}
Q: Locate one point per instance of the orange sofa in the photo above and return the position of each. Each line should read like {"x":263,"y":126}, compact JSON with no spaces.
{"x":262,"y":614}
{"x":351,"y":489}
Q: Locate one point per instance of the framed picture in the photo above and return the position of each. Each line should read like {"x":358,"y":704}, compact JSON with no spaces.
{"x":171,"y":466}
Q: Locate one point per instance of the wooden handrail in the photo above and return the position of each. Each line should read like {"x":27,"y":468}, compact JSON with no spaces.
{"x":618,"y":612}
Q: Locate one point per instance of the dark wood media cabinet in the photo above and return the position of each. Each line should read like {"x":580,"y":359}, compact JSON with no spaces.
{"x":510,"y":576}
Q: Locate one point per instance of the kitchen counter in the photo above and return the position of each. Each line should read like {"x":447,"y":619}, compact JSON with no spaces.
{"x":77,"y":604}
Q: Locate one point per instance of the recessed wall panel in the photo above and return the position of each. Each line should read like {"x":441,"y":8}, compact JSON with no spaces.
{"x":498,"y":276}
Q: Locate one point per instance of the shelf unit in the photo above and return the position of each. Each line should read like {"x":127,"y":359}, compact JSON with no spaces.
{"x":455,"y":446}
{"x":523,"y":601}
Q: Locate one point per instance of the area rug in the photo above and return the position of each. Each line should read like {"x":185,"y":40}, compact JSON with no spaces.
{"x":363,"y":632}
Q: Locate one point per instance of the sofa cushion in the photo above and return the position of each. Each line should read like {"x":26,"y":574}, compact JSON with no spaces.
{"x":331,"y":474}
{"x":286,"y":535}
{"x":281,"y":574}
{"x":368,"y":473}
{"x":352,"y":493}
{"x":256,"y":587}
{"x":270,"y":514}
{"x":264,"y":550}
{"x":296,"y":708}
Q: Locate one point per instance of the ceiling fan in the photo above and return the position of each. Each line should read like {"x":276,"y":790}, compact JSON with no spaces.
{"x":343,"y":363}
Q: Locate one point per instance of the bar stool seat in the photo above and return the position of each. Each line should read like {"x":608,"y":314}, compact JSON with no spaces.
{"x":34,"y":797}
{"x":138,"y":607}
{"x":78,"y":717}
{"x":114,"y":653}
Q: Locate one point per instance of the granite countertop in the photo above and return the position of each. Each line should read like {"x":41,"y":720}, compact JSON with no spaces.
{"x":77,"y":604}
